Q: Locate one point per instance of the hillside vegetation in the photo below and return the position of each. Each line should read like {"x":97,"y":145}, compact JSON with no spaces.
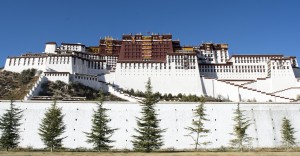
{"x":61,"y":89}
{"x":180,"y":97}
{"x":16,"y":85}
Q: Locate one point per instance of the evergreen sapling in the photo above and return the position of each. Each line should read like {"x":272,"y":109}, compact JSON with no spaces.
{"x":52,"y":127}
{"x":149,"y":136}
{"x":198,"y":130}
{"x":100,"y":132}
{"x":239,"y":130}
{"x":287,"y":133}
{"x":9,"y":126}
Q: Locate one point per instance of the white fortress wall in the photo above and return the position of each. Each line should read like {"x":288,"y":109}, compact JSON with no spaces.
{"x":18,"y":64}
{"x":234,"y":72}
{"x":59,"y":63}
{"x":264,"y":85}
{"x":290,"y":92}
{"x":208,"y":86}
{"x":175,"y":117}
{"x":89,"y":80}
{"x":169,"y":80}
{"x":282,"y":77}
{"x":108,"y":77}
{"x":58,"y":76}
{"x":84,"y":66}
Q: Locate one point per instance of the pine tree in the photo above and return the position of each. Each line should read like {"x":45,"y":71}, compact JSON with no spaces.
{"x":287,"y":133}
{"x":9,"y":125}
{"x":198,"y":127}
{"x":149,"y":136}
{"x":101,"y":132}
{"x":239,"y":129}
{"x":52,"y":127}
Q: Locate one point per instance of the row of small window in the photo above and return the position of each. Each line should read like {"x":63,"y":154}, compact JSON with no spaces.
{"x":24,"y":62}
{"x":181,"y":60}
{"x":133,"y":53}
{"x":150,"y":45}
{"x":253,"y":60}
{"x":151,"y":42}
{"x":95,"y":65}
{"x":93,"y":57}
{"x":152,"y":49}
{"x":144,"y":67}
{"x":250,"y":61}
{"x":89,"y":63}
{"x":86,"y":78}
{"x":185,"y":67}
{"x":211,"y":55}
{"x":280,"y":63}
{"x":233,"y":67}
{"x":232,"y":70}
{"x":174,"y":57}
{"x":86,"y":55}
{"x":281,"y":67}
{"x":143,"y":64}
{"x":208,"y":50}
{"x":59,"y":62}
{"x":69,"y":48}
{"x":184,"y":62}
{"x":56,"y":74}
{"x":132,"y":57}
{"x":59,"y":58}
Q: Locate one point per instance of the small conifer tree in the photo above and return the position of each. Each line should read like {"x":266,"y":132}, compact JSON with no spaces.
{"x":149,"y":136}
{"x":9,"y":126}
{"x":101,"y":132}
{"x":287,"y":133}
{"x":198,"y":130}
{"x":239,"y":130}
{"x":52,"y":127}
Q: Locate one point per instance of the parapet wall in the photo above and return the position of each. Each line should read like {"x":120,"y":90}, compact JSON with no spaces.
{"x":175,"y":117}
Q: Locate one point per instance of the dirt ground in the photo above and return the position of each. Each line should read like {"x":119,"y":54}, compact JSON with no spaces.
{"x":2,"y":153}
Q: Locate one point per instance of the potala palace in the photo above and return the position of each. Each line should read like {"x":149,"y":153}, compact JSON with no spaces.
{"x":207,"y":69}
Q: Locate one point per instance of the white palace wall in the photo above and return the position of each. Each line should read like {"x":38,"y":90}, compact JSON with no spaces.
{"x":175,"y":117}
{"x":55,"y":63}
{"x":185,"y":81}
{"x":18,"y":64}
{"x":90,"y":81}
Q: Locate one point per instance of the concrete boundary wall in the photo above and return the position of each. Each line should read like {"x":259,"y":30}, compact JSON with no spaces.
{"x":265,"y":130}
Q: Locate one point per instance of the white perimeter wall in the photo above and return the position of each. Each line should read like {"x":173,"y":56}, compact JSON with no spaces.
{"x":265,"y":130}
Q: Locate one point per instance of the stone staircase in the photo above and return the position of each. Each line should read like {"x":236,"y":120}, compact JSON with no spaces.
{"x":113,"y":89}
{"x":286,"y":89}
{"x":248,"y":82}
{"x":255,"y":90}
{"x":36,"y":87}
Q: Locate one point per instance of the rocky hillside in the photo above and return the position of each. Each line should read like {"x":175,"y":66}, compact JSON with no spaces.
{"x":61,"y":89}
{"x":16,"y":85}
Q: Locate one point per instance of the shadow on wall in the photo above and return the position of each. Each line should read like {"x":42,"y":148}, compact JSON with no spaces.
{"x":210,"y":75}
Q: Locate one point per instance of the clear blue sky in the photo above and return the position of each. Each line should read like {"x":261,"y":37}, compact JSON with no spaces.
{"x":249,"y":27}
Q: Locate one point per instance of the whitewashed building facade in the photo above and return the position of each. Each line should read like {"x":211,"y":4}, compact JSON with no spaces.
{"x":207,"y":69}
